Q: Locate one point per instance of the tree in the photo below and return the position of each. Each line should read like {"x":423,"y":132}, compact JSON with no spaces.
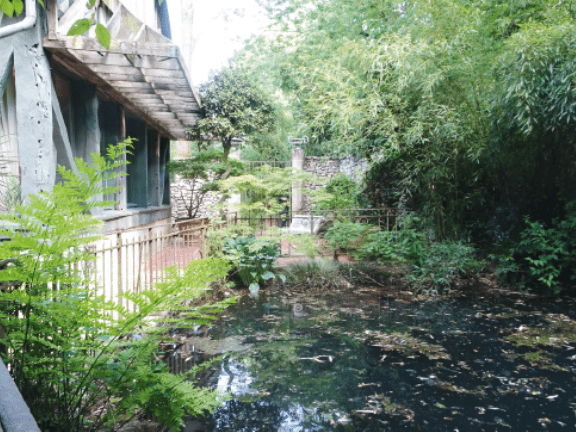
{"x":203,"y":172}
{"x":462,"y":102}
{"x":232,"y":107}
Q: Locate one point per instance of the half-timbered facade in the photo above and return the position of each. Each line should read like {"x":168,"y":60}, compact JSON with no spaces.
{"x":65,"y":97}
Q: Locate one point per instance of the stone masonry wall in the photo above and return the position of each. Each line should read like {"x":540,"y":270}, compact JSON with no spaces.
{"x":318,"y":166}
{"x":180,"y":196}
{"x":329,"y":167}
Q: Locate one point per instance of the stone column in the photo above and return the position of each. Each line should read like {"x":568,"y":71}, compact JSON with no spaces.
{"x":297,"y":198}
{"x":235,"y":199}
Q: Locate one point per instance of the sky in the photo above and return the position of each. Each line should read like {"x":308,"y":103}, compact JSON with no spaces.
{"x":218,"y":38}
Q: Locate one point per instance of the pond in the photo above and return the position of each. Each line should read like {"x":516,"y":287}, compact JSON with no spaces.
{"x":363,"y":360}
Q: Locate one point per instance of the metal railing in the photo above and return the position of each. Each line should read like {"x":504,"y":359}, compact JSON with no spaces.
{"x":135,"y":260}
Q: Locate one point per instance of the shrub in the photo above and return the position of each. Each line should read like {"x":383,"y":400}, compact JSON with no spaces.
{"x":435,"y":268}
{"x":365,"y":273}
{"x":71,"y":352}
{"x":342,"y":193}
{"x":550,"y":252}
{"x":253,"y":258}
{"x":318,"y":274}
{"x":346,"y":235}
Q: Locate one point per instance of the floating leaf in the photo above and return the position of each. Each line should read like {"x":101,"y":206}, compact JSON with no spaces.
{"x":254,"y":287}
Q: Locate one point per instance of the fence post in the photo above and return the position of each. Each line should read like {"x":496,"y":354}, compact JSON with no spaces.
{"x":120,"y":279}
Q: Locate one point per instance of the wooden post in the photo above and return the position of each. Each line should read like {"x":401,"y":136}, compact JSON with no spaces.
{"x":121,"y":197}
{"x":52,"y":14}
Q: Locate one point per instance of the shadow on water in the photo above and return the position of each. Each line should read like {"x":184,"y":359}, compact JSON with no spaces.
{"x":357,"y":361}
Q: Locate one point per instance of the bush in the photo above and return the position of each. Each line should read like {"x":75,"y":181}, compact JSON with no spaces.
{"x":550,"y":252}
{"x":343,"y":193}
{"x":71,"y":353}
{"x":435,"y":268}
{"x":346,"y":235}
{"x":318,"y":274}
{"x":253,"y":259}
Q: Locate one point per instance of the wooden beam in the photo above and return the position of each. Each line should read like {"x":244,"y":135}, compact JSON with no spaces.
{"x":131,"y":70}
{"x":83,"y":72}
{"x":162,"y":115}
{"x":75,"y":12}
{"x":104,"y":58}
{"x":186,"y":95}
{"x":127,"y":91}
{"x":52,"y":15}
{"x":116,"y":47}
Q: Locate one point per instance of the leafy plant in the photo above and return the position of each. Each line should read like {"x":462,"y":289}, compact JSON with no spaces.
{"x":233,"y":106}
{"x":261,"y":189}
{"x":202,"y":171}
{"x":343,"y":193}
{"x":383,"y":246}
{"x":83,"y":362}
{"x":346,"y":235}
{"x":253,"y":258}
{"x":313,"y":274}
{"x":437,"y":266}
{"x":550,"y":252}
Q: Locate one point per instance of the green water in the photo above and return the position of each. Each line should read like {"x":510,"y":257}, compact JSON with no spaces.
{"x":359,"y":361}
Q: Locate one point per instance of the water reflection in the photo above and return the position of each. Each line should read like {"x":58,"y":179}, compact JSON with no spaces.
{"x":361,"y":362}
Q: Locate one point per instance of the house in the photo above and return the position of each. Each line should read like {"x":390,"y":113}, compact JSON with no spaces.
{"x":67,"y":96}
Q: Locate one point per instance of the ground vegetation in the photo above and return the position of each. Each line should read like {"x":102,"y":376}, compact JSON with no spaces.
{"x":464,"y":108}
{"x":80,"y":360}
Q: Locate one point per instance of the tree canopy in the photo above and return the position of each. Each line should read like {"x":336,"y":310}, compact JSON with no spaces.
{"x":466,"y":108}
{"x":233,"y":106}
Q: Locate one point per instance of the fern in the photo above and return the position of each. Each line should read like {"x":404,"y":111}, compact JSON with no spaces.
{"x":70,"y":351}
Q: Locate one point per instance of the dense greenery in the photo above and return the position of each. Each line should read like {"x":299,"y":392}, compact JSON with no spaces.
{"x":252,"y":259}
{"x":81,"y":361}
{"x":431,"y":265}
{"x":465,"y":108}
{"x":233,"y":106}
{"x":203,"y":170}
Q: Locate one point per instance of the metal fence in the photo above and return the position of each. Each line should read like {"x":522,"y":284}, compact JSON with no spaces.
{"x":135,"y":260}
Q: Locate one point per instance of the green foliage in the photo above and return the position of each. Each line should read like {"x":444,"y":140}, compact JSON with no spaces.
{"x":468,"y":107}
{"x":432,"y":265}
{"x":550,"y":252}
{"x":437,"y":266}
{"x":204,"y":170}
{"x":319,"y":274}
{"x":262,"y":188}
{"x":83,"y":362}
{"x":382,"y":247}
{"x":253,"y":258}
{"x":346,"y":235}
{"x":232,"y":107}
{"x":343,"y":193}
{"x":12,"y":192}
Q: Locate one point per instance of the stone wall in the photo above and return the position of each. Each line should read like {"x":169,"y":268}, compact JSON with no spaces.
{"x":328,"y":168}
{"x":180,"y":196}
{"x":318,"y":166}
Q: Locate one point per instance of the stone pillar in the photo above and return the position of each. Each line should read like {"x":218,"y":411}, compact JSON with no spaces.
{"x":297,"y":198}
{"x":235,"y":199}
